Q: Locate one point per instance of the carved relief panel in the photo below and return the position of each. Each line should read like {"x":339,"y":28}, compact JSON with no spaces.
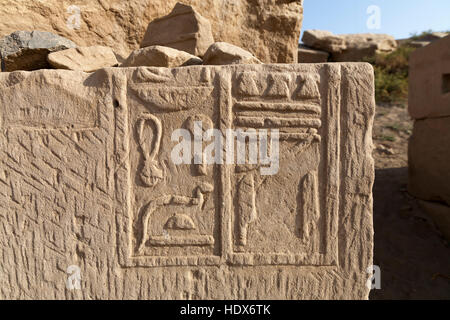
{"x":195,"y":214}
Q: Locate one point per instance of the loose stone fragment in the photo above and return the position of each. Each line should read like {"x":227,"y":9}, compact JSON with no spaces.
{"x":159,"y":56}
{"x":28,"y":50}
{"x":87,"y":59}
{"x":226,"y":53}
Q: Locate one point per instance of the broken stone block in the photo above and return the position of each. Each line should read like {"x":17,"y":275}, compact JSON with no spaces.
{"x":87,"y":59}
{"x":429,"y":160}
{"x":28,"y":50}
{"x":349,"y":47}
{"x":323,"y":40}
{"x":308,"y":55}
{"x":268,"y":28}
{"x":159,"y":56}
{"x":88,"y":183}
{"x":226,"y":53}
{"x":183,"y":29}
{"x":429,"y":81}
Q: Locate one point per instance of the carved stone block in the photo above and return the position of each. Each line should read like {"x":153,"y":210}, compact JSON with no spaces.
{"x":429,"y":81}
{"x":87,"y":180}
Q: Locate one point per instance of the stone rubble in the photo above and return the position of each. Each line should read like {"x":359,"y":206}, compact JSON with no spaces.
{"x":87,"y":59}
{"x":28,"y":50}
{"x":226,"y":53}
{"x":159,"y":56}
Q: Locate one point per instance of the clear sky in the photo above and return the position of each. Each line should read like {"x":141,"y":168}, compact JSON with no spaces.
{"x":399,"y":18}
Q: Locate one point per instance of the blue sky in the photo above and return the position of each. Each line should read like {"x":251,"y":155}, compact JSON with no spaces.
{"x":399,"y":18}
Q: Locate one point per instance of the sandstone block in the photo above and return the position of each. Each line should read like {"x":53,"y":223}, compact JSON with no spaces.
{"x":87,"y":59}
{"x":323,"y":40}
{"x":183,"y":29}
{"x":429,"y":160}
{"x":270,"y":29}
{"x":429,"y":81}
{"x":226,"y":53}
{"x":349,"y":47}
{"x":28,"y":50}
{"x":308,"y":55}
{"x":159,"y":56}
{"x":361,"y":46}
{"x":88,"y":183}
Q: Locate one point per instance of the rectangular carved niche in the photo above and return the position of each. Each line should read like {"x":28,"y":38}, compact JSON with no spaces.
{"x":231,"y":213}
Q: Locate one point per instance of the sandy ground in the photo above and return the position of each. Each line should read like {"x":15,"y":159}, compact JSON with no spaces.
{"x":413,"y":256}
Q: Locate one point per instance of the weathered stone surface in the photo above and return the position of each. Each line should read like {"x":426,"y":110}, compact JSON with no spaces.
{"x":226,"y":53}
{"x":159,"y":56}
{"x":87,"y":59}
{"x":87,"y":184}
{"x":183,"y":29}
{"x":267,"y":28}
{"x":361,"y":46}
{"x":28,"y":50}
{"x":429,"y":160}
{"x":349,"y":47}
{"x":323,"y":40}
{"x":308,"y":55}
{"x":429,"y":81}
{"x":440,"y":214}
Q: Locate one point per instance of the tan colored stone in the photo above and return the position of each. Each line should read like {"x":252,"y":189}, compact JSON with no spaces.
{"x":429,"y":81}
{"x":87,"y":59}
{"x":349,"y":47}
{"x":183,"y":29}
{"x":270,"y":29}
{"x":429,"y":160}
{"x":308,"y":55}
{"x":88,"y":186}
{"x":440,"y":214}
{"x":323,"y":40}
{"x":159,"y":56}
{"x":226,"y":53}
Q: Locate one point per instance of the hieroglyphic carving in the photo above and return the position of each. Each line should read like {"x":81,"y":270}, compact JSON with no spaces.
{"x":198,"y":201}
{"x":309,"y":88}
{"x":151,"y":173}
{"x":290,"y":103}
{"x":168,"y":225}
{"x":308,"y":207}
{"x":246,"y":207}
{"x":73,"y":195}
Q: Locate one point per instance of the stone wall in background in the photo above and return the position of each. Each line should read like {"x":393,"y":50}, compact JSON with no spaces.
{"x":429,"y":152}
{"x":269,"y":29}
